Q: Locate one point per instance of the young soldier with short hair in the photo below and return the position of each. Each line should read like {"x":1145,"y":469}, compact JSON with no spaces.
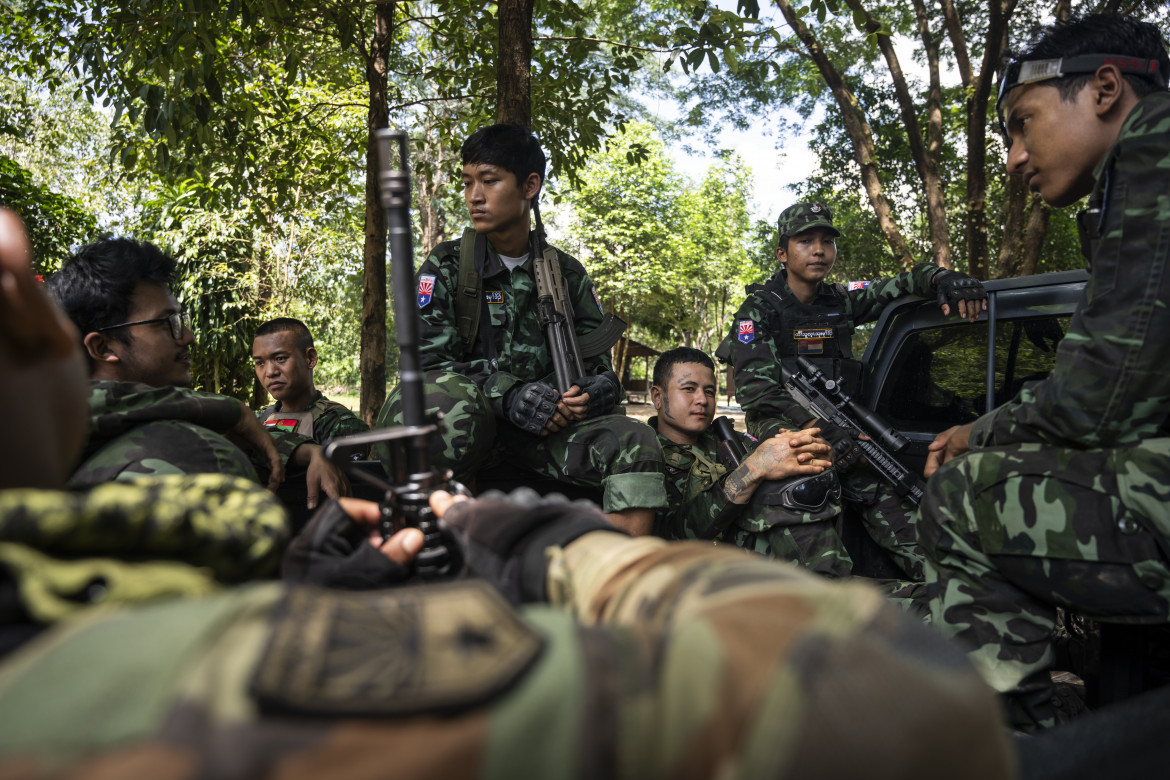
{"x":489,"y":369}
{"x":797,"y":314}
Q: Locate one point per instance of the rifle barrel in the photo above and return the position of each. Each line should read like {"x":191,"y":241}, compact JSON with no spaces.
{"x":394,"y":184}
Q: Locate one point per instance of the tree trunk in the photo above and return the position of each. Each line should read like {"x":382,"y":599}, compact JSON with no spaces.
{"x":1014,"y":205}
{"x":1034,"y":236}
{"x":977,"y":104}
{"x":925,"y":162}
{"x":431,"y":179}
{"x":514,"y":62}
{"x":859,"y":133}
{"x":954,"y":27}
{"x":373,"y":349}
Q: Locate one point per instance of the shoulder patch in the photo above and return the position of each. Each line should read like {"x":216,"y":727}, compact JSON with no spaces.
{"x":597,"y":299}
{"x":747,"y":331}
{"x":403,"y":651}
{"x":426,"y":289}
{"x":858,"y":285}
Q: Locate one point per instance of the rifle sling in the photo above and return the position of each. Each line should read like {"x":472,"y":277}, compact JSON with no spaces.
{"x":470,"y":304}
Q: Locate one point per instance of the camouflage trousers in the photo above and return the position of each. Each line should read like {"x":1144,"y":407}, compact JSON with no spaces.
{"x":811,"y":540}
{"x":887,"y":519}
{"x":618,"y":454}
{"x":1012,"y":533}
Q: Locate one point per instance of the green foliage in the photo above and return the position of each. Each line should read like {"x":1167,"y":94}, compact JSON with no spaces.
{"x":670,"y":257}
{"x":56,"y":224}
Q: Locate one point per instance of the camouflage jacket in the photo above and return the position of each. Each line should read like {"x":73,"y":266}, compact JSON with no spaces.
{"x":117,"y":543}
{"x":138,"y":430}
{"x":521,"y":354}
{"x":1110,"y":385}
{"x":753,"y":346}
{"x":330,"y":420}
{"x":698,"y":508}
{"x":261,"y":680}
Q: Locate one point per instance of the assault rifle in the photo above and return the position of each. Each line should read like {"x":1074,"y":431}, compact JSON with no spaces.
{"x":405,"y":500}
{"x":556,"y":319}
{"x":823,"y":398}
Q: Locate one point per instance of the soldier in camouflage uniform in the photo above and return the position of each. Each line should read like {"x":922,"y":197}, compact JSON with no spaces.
{"x":137,"y":344}
{"x":284,"y":357}
{"x":764,"y":505}
{"x":299,"y":680}
{"x":796,"y":313}
{"x":1061,"y":500}
{"x":496,"y":393}
{"x":710,"y":499}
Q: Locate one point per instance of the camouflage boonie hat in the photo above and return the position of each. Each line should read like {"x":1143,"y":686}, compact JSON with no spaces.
{"x":800,"y":217}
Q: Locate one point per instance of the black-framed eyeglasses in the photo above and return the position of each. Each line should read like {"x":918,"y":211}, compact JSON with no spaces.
{"x":178,"y":321}
{"x":1021,"y":72}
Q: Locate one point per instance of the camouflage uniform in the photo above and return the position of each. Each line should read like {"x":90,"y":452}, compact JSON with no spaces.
{"x":654,"y":660}
{"x":1062,"y":501}
{"x":330,"y":419}
{"x":137,"y":430}
{"x":611,"y":451}
{"x":699,"y":509}
{"x":766,"y":332}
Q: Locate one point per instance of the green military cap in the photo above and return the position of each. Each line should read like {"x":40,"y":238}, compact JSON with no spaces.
{"x":800,"y":217}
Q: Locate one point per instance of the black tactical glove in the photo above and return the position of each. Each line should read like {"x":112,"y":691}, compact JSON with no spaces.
{"x":846,"y":450}
{"x":335,"y":551}
{"x":603,"y":390}
{"x":504,"y":537}
{"x":953,"y":287}
{"x":530,"y":406}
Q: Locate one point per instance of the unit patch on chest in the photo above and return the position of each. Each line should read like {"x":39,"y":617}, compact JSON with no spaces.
{"x":811,"y":341}
{"x":493,"y":296}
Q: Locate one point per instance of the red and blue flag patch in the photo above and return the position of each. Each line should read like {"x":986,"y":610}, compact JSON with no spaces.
{"x":747,"y":331}
{"x":426,"y":288}
{"x":858,"y":285}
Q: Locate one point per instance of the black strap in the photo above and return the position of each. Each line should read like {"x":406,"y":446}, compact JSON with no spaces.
{"x":469,"y":300}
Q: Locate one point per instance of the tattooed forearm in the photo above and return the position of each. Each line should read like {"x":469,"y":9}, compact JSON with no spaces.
{"x":739,"y":485}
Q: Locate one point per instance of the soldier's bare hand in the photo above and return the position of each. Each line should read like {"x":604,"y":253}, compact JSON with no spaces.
{"x":322,"y":476}
{"x":571,"y":406}
{"x":968,"y":310}
{"x":574,"y":404}
{"x":41,"y":372}
{"x":789,"y":454}
{"x":947,"y":445}
{"x":441,"y":501}
{"x":249,"y":434}
{"x":401,"y":548}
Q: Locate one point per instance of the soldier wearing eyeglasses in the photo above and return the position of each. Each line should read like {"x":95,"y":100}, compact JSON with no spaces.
{"x":144,"y":419}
